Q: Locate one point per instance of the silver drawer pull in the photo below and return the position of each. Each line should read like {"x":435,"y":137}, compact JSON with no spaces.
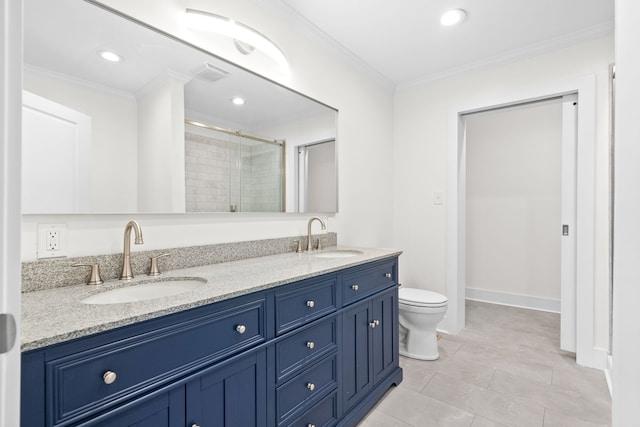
{"x":374,"y":323}
{"x":311,"y":386}
{"x":355,"y":287}
{"x":311,"y":344}
{"x":388,"y":275}
{"x":109,"y":377}
{"x":310,"y":304}
{"x":241,"y":329}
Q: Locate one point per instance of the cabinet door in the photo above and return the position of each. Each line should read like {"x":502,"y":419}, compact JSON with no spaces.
{"x":356,"y":340}
{"x":230,"y":395}
{"x":385,"y":334}
{"x":162,"y":410}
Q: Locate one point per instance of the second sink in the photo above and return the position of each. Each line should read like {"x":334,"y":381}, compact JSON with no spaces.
{"x":146,"y":291}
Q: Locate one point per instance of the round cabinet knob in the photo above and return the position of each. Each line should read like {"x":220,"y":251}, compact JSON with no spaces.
{"x":311,"y":344}
{"x":311,"y":425}
{"x":388,"y":275}
{"x":311,"y":386}
{"x":310,"y":304}
{"x":374,"y":323}
{"x":241,"y":329}
{"x":195,"y":425}
{"x":109,"y":377}
{"x":355,"y":287}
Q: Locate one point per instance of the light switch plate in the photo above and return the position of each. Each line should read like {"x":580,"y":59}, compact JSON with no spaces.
{"x":52,"y":240}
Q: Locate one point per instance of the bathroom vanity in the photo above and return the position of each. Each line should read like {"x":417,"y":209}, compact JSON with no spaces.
{"x":290,"y":339}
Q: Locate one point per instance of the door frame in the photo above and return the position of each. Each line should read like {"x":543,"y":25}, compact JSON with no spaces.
{"x":10,"y":147}
{"x":585,"y":87}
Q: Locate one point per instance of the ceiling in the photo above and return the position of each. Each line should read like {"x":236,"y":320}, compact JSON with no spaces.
{"x":403,"y":40}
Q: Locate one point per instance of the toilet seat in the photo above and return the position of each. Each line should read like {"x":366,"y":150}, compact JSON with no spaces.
{"x":421,"y":298}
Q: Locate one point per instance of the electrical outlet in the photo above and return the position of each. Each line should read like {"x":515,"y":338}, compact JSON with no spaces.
{"x":52,"y":240}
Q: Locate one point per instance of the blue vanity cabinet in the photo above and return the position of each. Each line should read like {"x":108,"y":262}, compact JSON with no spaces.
{"x":234,"y":394}
{"x":317,"y":352}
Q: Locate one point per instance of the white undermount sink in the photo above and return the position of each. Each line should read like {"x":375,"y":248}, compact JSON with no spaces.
{"x":146,"y":291}
{"x":338,"y":253}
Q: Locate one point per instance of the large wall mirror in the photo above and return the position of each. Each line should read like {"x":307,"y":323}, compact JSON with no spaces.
{"x":157,"y":132}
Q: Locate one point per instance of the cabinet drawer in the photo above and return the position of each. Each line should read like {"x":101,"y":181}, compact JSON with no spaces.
{"x":78,"y":383}
{"x":367,"y":281}
{"x":323,"y":414}
{"x":310,"y":384}
{"x":304,"y":347}
{"x":304,"y":304}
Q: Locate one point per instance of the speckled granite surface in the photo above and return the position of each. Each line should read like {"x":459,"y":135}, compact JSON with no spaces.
{"x":54,"y":315}
{"x":55,"y":273}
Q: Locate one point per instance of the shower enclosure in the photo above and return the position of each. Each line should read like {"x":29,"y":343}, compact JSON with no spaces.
{"x":229,"y":171}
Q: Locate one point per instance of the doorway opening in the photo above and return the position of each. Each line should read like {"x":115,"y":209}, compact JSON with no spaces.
{"x":584,"y":87}
{"x":520,"y":208}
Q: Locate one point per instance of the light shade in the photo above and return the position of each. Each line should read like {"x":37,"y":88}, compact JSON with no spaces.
{"x":206,"y":21}
{"x":453,"y":17}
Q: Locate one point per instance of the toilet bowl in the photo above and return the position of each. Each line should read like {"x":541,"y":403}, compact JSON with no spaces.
{"x":420,"y":311}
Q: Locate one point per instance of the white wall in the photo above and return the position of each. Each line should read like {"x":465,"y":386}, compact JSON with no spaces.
{"x":111,"y":191}
{"x":365,"y":149}
{"x":626,"y":316}
{"x":514,"y":163}
{"x":420,"y":156}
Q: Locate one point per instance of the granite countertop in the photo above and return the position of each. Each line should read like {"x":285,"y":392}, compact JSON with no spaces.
{"x":56,"y":315}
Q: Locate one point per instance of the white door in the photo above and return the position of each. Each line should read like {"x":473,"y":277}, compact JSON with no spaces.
{"x":568,"y":297}
{"x":56,"y":153}
{"x":10,"y":94}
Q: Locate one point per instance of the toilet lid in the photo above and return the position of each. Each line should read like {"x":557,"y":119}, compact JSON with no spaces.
{"x":421,"y":297}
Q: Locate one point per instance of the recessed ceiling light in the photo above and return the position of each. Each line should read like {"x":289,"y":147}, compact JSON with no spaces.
{"x":109,"y":56}
{"x":237,"y":100}
{"x":453,"y":17}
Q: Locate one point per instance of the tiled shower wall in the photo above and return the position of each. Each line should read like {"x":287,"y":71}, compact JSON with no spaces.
{"x":221,"y":173}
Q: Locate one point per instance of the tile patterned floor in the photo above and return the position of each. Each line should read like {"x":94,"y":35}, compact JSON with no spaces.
{"x":504,"y":369}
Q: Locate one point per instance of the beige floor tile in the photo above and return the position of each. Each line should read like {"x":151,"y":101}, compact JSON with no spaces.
{"x":558,"y":399}
{"x":504,"y":369}
{"x":419,"y":410}
{"x":501,"y":407}
{"x":556,"y":419}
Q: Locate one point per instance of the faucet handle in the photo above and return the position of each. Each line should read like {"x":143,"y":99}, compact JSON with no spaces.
{"x":319,"y":244}
{"x":154,"y":271}
{"x":299,"y":246}
{"x":95,"y":278}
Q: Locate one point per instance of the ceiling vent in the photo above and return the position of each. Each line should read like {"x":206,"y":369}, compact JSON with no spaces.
{"x":210,"y":72}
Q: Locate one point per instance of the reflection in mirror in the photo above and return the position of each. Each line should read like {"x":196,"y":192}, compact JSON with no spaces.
{"x":118,"y":137}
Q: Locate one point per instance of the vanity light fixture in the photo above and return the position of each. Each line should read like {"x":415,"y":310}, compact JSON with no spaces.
{"x":246,"y":39}
{"x":452,"y":17}
{"x":237,"y":100}
{"x":107,"y":55}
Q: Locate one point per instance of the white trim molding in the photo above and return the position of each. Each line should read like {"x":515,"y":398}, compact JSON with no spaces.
{"x":513,"y":300}
{"x":585,"y":87}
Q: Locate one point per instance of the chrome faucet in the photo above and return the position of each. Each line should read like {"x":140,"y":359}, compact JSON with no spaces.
{"x":126,"y":256}
{"x":324,"y":227}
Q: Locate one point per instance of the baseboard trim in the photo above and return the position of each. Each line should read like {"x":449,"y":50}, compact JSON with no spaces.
{"x":608,"y":374}
{"x":514,"y":300}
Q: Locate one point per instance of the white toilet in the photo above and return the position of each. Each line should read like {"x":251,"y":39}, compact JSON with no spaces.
{"x":420,"y":311}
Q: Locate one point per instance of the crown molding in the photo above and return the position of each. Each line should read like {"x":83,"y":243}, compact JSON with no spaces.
{"x":316,"y":34}
{"x":529,"y":51}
